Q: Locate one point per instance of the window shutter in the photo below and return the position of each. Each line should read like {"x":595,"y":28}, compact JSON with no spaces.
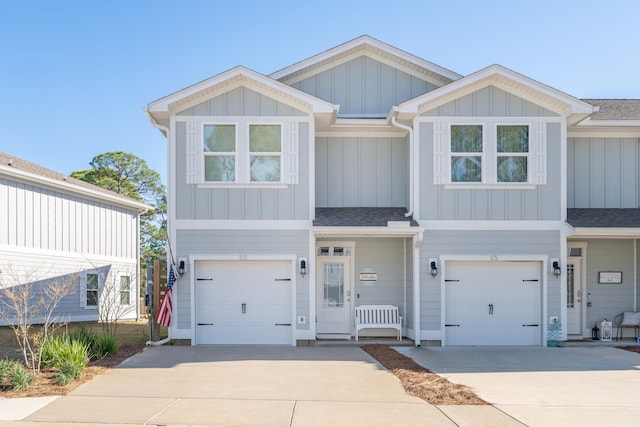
{"x":290,"y":153}
{"x":539,"y":153}
{"x":194,"y":154}
{"x":440,"y":150}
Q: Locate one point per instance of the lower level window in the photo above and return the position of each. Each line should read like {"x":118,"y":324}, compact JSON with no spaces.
{"x":92,"y":290}
{"x":125,"y":290}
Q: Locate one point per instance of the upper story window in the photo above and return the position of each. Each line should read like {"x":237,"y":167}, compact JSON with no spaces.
{"x":125,"y":290}
{"x":490,"y":153}
{"x":90,"y":290}
{"x":242,"y":153}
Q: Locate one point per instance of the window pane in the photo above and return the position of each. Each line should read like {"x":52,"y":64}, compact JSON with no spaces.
{"x":125,"y":290}
{"x":219,"y":138}
{"x":92,"y":289}
{"x":570,"y":286}
{"x":512,"y":169}
{"x":220,"y":168}
{"x":466,"y":169}
{"x":265,"y":168}
{"x":92,"y":281}
{"x":466,"y":139}
{"x":513,"y":139}
{"x":334,"y":285}
{"x":264,"y":138}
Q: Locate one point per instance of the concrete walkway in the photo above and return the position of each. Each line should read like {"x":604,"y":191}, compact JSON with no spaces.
{"x":252,"y":386}
{"x":597,"y":386}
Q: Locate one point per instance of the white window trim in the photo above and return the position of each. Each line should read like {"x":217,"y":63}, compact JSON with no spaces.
{"x":84,"y":289}
{"x":289,"y":151}
{"x":130,"y":290}
{"x":536,"y":157}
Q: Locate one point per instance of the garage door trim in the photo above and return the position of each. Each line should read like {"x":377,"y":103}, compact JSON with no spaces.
{"x":242,"y":257}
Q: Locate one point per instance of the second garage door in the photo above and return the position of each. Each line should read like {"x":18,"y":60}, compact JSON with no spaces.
{"x":243,"y":302}
{"x":492,"y":303}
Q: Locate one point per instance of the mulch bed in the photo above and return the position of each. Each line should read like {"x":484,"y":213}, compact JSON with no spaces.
{"x":420,"y":382}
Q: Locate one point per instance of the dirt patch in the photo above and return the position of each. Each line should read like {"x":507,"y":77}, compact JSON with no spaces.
{"x":132,"y":335}
{"x":634,"y":349}
{"x":420,"y":382}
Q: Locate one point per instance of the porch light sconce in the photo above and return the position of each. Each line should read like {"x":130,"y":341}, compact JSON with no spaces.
{"x":555,"y":263}
{"x":181,"y":267}
{"x":433,"y":267}
{"x":303,"y":266}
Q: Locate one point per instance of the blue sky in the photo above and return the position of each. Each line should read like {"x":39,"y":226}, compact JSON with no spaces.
{"x":74,"y":74}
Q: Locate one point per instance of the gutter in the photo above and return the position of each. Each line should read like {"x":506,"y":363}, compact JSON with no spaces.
{"x":394,"y":123}
{"x":165,"y":131}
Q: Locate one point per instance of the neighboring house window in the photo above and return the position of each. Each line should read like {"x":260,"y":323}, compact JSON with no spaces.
{"x":125,"y":290}
{"x":242,"y":152}
{"x":92,"y":286}
{"x":491,"y":153}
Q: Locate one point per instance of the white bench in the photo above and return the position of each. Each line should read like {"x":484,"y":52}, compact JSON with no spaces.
{"x":378,"y":316}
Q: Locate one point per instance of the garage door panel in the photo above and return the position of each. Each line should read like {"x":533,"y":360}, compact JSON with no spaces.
{"x":491,"y":301}
{"x":244,"y":302}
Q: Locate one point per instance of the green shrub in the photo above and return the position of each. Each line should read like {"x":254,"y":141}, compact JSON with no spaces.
{"x":14,"y":375}
{"x":68,"y":355}
{"x":106,"y":345}
{"x":87,"y":337}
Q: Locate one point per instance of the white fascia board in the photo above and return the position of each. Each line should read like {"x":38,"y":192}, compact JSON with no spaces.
{"x":494,"y":225}
{"x":84,"y":192}
{"x":184,"y":224}
{"x":606,"y":232}
{"x":508,"y":80}
{"x":239,"y":76}
{"x":366,"y":231}
{"x":605,"y":129}
{"x":340,"y":54}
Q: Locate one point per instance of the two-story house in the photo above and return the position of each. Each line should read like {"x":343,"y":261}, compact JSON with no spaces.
{"x":483,"y":206}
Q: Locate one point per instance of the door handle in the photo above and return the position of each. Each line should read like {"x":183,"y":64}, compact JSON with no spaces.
{"x":490,"y":308}
{"x":244,"y":308}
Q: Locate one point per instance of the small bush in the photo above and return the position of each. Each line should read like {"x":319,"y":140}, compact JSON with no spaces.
{"x":106,"y":345}
{"x":87,"y":337}
{"x":68,"y":355}
{"x":14,"y":375}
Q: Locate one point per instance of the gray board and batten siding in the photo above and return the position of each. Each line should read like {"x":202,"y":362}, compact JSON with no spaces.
{"x":364,"y":87}
{"x":361,"y":172}
{"x":254,"y":242}
{"x":81,"y":225}
{"x":603,"y":173}
{"x":202,"y":203}
{"x":468,"y":242}
{"x":541,"y":203}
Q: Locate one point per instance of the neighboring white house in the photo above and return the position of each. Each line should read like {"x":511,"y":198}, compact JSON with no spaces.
{"x":486,"y":207}
{"x":53,"y":226}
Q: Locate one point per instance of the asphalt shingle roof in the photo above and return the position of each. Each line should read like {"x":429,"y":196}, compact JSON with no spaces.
{"x":616,"y":109}
{"x":360,"y":217}
{"x":603,"y":218}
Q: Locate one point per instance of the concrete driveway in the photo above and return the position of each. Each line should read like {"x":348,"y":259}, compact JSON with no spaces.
{"x":594,"y":386}
{"x":252,"y":386}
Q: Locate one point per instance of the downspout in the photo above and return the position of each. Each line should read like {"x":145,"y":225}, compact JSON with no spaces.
{"x":394,"y":113}
{"x":165,"y":131}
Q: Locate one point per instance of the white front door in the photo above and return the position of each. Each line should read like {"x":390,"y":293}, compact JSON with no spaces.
{"x":574,"y":297}
{"x":334,"y":296}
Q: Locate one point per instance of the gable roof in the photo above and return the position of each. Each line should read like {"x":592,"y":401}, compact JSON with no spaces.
{"x":507,"y":80}
{"x":18,"y":168}
{"x":160,"y":109}
{"x":366,"y":45}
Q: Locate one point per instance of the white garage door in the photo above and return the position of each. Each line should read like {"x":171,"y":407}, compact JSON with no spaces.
{"x":492,"y":303}
{"x":243,"y":302}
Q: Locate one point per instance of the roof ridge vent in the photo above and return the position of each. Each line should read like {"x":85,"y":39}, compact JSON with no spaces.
{"x":10,"y":163}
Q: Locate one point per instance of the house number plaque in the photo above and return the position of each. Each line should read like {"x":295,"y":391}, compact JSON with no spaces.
{"x":610,"y":277}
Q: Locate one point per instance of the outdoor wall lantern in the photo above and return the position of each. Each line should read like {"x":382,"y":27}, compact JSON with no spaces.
{"x":556,"y":267}
{"x":181,"y":267}
{"x":434,"y":268}
{"x":303,"y":267}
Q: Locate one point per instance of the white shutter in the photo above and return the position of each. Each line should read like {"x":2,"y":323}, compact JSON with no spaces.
{"x":290,"y":153}
{"x":538,"y":140}
{"x":194,"y":153}
{"x":440,"y":151}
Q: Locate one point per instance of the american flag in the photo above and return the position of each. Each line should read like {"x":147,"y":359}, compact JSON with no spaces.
{"x":166,"y":306}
